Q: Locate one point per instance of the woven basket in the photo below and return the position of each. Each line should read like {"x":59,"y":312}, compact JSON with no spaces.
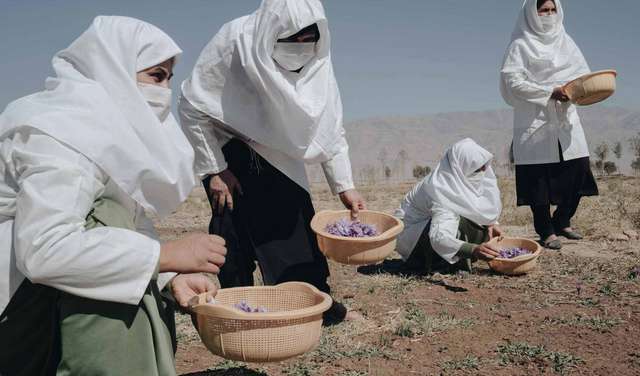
{"x":518,"y":265}
{"x":592,"y":88}
{"x":357,"y":251}
{"x":291,"y":327}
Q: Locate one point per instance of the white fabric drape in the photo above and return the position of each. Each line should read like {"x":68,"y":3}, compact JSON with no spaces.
{"x":536,"y":62}
{"x":93,"y":104}
{"x":90,"y":134}
{"x":448,"y":194}
{"x":237,"y":82}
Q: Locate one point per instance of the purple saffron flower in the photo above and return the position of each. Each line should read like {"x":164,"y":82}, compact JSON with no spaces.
{"x":351,"y":229}
{"x":510,"y":253}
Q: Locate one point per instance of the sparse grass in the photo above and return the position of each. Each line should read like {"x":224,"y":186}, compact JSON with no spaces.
{"x":468,"y":363}
{"x":415,"y":322}
{"x":596,"y":323}
{"x":521,"y":353}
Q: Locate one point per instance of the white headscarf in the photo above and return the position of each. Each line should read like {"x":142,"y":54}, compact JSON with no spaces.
{"x":94,"y":106}
{"x":548,"y":58}
{"x":450,"y":186}
{"x":237,"y":82}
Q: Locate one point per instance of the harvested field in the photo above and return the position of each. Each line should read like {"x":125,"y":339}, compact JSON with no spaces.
{"x":577,"y":314}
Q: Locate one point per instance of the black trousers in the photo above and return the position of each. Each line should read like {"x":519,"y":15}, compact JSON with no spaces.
{"x":546,"y":224}
{"x":270,"y":225}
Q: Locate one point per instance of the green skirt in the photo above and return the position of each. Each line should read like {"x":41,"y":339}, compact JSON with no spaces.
{"x":424,"y":258}
{"x":44,"y":331}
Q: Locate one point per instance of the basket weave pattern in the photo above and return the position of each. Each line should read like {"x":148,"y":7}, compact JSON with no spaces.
{"x":357,"y":251}
{"x":291,"y":327}
{"x":592,"y":88}
{"x":519,"y":265}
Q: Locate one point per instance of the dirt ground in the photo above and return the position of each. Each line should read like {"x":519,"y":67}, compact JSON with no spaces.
{"x":576,"y":314}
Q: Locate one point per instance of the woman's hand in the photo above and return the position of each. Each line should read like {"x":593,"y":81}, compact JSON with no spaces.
{"x":222,"y":187}
{"x":560,"y":94}
{"x":485,"y":252}
{"x":185,"y":286}
{"x":494,"y":231}
{"x":353,"y":201}
{"x":193,"y":254}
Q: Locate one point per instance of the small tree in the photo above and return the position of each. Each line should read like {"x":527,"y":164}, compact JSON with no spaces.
{"x":420,"y":172}
{"x":387,"y":172}
{"x":403,"y":157}
{"x":610,"y":168}
{"x":602,"y":152}
{"x":635,"y":149}
{"x":617,"y":149}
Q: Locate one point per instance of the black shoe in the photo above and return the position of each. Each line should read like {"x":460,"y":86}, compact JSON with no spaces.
{"x":334,"y":315}
{"x":570,"y":234}
{"x":554,"y":244}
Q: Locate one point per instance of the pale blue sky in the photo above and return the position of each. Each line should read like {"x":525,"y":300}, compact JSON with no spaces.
{"x":392,"y":57}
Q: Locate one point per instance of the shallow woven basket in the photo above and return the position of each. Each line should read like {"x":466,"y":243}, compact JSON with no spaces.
{"x":291,"y":327}
{"x":357,"y":251}
{"x":518,"y":265}
{"x":592,"y":88}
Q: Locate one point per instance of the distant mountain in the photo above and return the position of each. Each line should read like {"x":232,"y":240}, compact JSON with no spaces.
{"x":404,"y":142}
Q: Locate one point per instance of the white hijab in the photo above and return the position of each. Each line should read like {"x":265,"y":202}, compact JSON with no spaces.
{"x":449,"y":183}
{"x":237,"y":82}
{"x":94,"y":106}
{"x":549,"y":59}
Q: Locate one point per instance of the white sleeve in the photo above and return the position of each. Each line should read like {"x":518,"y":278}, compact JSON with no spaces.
{"x":199,"y":129}
{"x":443,"y":233}
{"x":526,"y":90}
{"x":58,"y":187}
{"x":338,"y":172}
{"x":144,"y":225}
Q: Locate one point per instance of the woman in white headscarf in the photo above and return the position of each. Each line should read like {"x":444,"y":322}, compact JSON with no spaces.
{"x":261,"y":102}
{"x":81,"y":267}
{"x":549,"y":146}
{"x":451,"y":214}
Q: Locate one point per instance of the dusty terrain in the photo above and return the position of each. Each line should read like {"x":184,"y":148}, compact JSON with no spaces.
{"x":577,"y":314}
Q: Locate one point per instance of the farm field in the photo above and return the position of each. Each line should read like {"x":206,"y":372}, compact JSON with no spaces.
{"x":577,"y":314}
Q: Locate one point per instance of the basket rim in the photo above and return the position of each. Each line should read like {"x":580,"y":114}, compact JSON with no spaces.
{"x":590,"y":75}
{"x":228,"y":312}
{"x":519,"y":259}
{"x":389,"y":234}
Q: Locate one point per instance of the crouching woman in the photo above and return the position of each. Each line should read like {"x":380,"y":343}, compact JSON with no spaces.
{"x":451,"y":215}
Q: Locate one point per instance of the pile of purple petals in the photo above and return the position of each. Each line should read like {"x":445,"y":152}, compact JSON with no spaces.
{"x":513,"y":252}
{"x":351,"y":229}
{"x":245,"y":307}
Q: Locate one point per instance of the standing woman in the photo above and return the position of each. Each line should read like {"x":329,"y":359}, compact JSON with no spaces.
{"x":81,"y":267}
{"x":261,"y":102}
{"x":549,"y":145}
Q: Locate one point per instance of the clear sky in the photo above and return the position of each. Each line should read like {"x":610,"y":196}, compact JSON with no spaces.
{"x":392,"y":57}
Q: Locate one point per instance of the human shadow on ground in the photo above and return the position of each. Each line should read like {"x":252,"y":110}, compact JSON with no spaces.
{"x":395,"y":268}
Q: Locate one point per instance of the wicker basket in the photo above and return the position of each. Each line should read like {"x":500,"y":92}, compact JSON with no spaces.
{"x":357,"y":251}
{"x":518,"y":265}
{"x":291,"y":327}
{"x":592,"y":88}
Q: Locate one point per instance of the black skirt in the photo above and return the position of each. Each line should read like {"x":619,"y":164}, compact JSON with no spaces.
{"x":270,"y":224}
{"x":555,"y":183}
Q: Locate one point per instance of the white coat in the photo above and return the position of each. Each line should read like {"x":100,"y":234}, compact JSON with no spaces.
{"x":288,"y":118}
{"x":536,"y":62}
{"x":447,"y":194}
{"x":90,"y":134}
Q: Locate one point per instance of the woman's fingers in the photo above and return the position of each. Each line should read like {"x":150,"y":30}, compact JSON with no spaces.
{"x":222,"y":198}
{"x":229,"y":199}
{"x":216,"y":258}
{"x":218,"y":240}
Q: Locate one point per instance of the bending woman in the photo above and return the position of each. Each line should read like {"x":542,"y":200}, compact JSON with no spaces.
{"x":81,"y":265}
{"x":451,"y":214}
{"x":549,"y":146}
{"x":261,"y":102}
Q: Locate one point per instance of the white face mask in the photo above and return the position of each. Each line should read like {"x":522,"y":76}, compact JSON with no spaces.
{"x":158,"y":98}
{"x":476,"y":179}
{"x":293,"y":56}
{"x":548,"y":22}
